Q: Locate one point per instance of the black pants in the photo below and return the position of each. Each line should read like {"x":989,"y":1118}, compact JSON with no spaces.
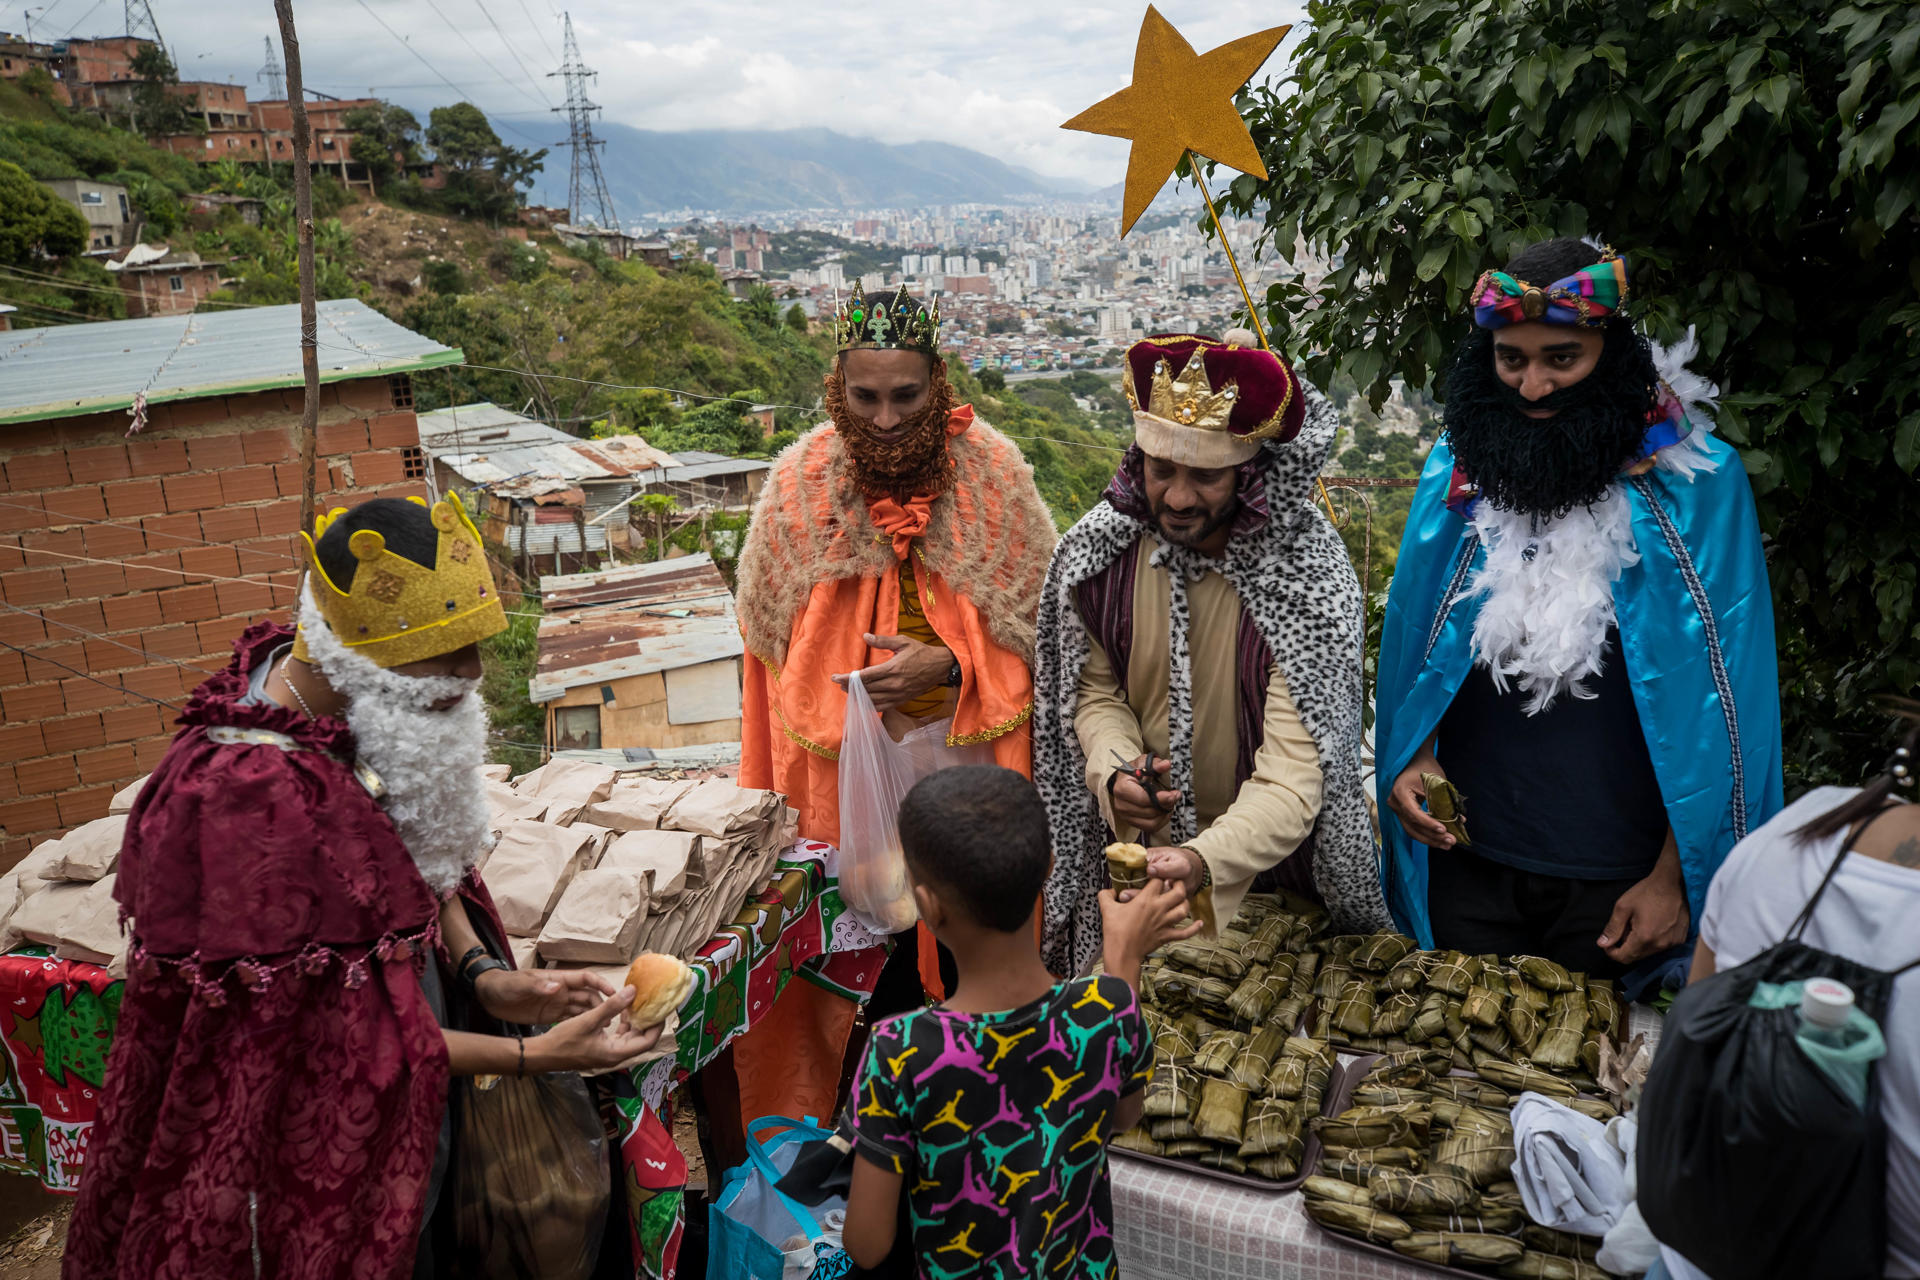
{"x":1487,"y":908}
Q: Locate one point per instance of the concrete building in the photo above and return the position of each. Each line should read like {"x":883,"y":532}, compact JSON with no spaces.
{"x":111,"y":223}
{"x":159,"y":281}
{"x":149,"y":502}
{"x":640,"y":656}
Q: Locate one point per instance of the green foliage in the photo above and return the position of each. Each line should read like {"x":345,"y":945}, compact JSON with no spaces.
{"x":509,"y":659}
{"x":152,"y":199}
{"x":484,"y":174}
{"x":1745,"y":156}
{"x":38,"y":83}
{"x":992,"y":381}
{"x":35,"y":224}
{"x":1073,"y":454}
{"x":159,"y":107}
{"x":761,"y":306}
{"x":379,"y":134}
{"x":444,"y":276}
{"x":797,"y":318}
{"x":75,"y":144}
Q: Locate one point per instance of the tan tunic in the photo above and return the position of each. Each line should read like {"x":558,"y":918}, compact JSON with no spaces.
{"x":1243,"y":830}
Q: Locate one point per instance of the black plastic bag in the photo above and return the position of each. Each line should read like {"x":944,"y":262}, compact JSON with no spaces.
{"x":1752,"y":1163}
{"x":530,"y":1181}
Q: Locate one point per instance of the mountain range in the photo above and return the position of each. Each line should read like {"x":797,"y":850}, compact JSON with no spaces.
{"x":747,"y":170}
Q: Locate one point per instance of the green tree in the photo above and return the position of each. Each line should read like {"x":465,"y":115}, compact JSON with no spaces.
{"x":380,"y":134}
{"x":159,"y":106}
{"x":1757,"y":164}
{"x":484,"y":174}
{"x":992,"y":380}
{"x":35,"y":223}
{"x":797,"y":318}
{"x":761,"y":306}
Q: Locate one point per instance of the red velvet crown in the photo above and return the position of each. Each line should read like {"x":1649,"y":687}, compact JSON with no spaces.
{"x":1267,"y":400}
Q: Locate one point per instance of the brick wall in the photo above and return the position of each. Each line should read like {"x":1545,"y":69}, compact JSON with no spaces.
{"x":210,"y":490}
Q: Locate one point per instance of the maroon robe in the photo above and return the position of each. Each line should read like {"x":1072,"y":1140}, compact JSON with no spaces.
{"x":277,"y":1079}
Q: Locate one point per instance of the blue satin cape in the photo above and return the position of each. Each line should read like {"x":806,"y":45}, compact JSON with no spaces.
{"x":1696,"y":628}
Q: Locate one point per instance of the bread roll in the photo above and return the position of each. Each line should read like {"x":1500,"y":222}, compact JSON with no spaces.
{"x":660,"y":983}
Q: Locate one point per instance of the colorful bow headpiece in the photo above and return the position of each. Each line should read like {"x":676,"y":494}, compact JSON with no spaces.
{"x":1585,"y":299}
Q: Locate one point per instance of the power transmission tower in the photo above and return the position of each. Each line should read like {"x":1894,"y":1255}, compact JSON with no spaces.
{"x":271,"y":73}
{"x":587,"y":197}
{"x":140,"y":23}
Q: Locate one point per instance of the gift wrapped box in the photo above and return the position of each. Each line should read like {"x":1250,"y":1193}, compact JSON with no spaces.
{"x":90,"y":852}
{"x":599,"y":917}
{"x":531,"y":867}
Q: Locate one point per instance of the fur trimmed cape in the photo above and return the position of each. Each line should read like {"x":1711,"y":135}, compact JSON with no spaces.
{"x":989,"y":537}
{"x":1294,"y":578}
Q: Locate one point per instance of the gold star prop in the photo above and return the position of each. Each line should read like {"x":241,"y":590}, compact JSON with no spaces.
{"x":1179,"y":101}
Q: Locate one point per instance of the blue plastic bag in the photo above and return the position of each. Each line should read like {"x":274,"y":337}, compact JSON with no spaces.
{"x":751,"y":1217}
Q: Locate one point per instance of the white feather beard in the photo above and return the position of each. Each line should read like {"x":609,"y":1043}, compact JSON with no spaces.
{"x":1544,"y":619}
{"x":428,"y":759}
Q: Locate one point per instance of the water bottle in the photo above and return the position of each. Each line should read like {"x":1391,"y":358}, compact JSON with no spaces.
{"x":1825,"y":1008}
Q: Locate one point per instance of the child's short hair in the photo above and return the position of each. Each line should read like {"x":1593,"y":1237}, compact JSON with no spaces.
{"x":980,"y":833}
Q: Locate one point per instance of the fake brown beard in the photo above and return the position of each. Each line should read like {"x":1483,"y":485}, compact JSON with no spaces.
{"x":916,"y":462}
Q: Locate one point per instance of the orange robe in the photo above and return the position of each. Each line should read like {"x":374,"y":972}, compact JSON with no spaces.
{"x":793,"y":714}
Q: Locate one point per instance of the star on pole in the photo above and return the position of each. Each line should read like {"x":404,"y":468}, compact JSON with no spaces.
{"x":1179,"y":101}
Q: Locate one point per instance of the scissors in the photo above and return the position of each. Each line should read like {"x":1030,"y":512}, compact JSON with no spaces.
{"x":1146,"y":778}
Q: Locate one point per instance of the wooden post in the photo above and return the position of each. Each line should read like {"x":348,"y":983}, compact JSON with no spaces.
{"x":303,"y":227}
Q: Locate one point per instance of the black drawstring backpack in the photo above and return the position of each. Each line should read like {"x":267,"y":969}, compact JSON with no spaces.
{"x":1752,"y":1163}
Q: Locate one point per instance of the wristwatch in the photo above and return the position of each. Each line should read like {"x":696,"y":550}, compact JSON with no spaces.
{"x":953,"y":675}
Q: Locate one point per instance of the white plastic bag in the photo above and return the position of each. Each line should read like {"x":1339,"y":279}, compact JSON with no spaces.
{"x":875,"y":775}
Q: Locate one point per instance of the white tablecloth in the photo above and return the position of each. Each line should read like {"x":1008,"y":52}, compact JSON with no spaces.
{"x":1171,"y":1225}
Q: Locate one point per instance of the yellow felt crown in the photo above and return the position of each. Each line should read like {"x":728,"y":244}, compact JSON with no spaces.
{"x":398,"y":611}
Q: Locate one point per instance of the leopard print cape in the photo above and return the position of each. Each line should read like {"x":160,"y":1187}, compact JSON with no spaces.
{"x":1295,"y":580}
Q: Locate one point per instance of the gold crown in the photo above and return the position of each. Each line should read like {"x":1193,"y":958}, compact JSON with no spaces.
{"x":1189,"y":400}
{"x":899,"y":325}
{"x":398,"y":611}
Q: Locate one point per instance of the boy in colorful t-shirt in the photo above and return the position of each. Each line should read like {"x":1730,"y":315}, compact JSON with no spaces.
{"x":993,"y":1110}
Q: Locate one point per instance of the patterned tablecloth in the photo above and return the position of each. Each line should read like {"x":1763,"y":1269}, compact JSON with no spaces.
{"x":57,"y":1020}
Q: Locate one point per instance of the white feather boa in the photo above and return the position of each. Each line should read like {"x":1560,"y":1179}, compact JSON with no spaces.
{"x":428,"y":759}
{"x":1546,"y":587}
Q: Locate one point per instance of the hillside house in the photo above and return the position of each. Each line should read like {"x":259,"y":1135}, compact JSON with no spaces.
{"x":640,"y":656}
{"x":111,"y":223}
{"x":149,"y":503}
{"x":159,"y":281}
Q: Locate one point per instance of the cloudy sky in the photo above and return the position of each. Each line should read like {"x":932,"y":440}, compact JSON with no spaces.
{"x":996,"y":75}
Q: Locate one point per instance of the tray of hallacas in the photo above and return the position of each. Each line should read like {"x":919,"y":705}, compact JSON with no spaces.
{"x":1417,"y":1162}
{"x":1235,"y":1082}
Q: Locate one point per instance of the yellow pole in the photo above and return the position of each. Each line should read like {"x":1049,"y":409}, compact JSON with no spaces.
{"x":1253,"y":312}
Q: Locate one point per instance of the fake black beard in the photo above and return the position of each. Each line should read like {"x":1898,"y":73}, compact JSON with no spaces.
{"x":1549,"y":466}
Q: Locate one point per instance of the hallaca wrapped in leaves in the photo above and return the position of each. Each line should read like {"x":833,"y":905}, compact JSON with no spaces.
{"x":1477,"y":1092}
{"x":1368,"y":1224}
{"x":1559,"y":1046}
{"x":1486,"y":1220}
{"x":1485,"y":1158}
{"x":1383,"y":1095}
{"x":1224,"y":1160}
{"x":1320,"y":1020}
{"x":1253,"y":1063}
{"x":1321,"y":1187}
{"x":1541,"y":1266}
{"x":1306,"y":971}
{"x":1216,"y":1053}
{"x":1299,"y":1060}
{"x":1172,"y":1128}
{"x":1518,"y":1079}
{"x":1137,"y":1139}
{"x":1268,"y":940}
{"x":1603,"y":1007}
{"x":1175,"y":987}
{"x":1410,"y":974}
{"x":1272,"y":1128}
{"x":1287,"y":1012}
{"x":1223,"y":1112}
{"x":1412,"y":1159}
{"x":1393,"y":1013}
{"x":1590,"y":1049}
{"x":1177,"y":1041}
{"x":1485,"y":1000}
{"x":1181,"y":1148}
{"x":1174,"y":1090}
{"x":1526,"y":1010}
{"x":1453,"y":973}
{"x":1545,"y":974}
{"x":1212,"y":994}
{"x":1257,"y":993}
{"x":1379,"y":952}
{"x":1208,"y":958}
{"x":1593,"y":1108}
{"x":1333,"y":977}
{"x":1353,"y":1009}
{"x":1439,"y":1190}
{"x":1430,"y":1019}
{"x":1359,"y":1127}
{"x":1468,"y":1248}
{"x":1494,"y":1040}
{"x":1560,"y":1244}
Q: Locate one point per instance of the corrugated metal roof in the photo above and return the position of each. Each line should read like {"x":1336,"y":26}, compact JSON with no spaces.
{"x":63,"y":370}
{"x":485,"y":444}
{"x":631,"y":621}
{"x":574,"y":460}
{"x":546,"y":539}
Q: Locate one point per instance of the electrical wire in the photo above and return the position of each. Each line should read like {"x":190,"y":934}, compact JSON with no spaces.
{"x":538,"y":31}
{"x":25,"y":276}
{"x":504,"y":79}
{"x":464,"y":95}
{"x":482,"y":5}
{"x":109,"y":684}
{"x":95,"y":635}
